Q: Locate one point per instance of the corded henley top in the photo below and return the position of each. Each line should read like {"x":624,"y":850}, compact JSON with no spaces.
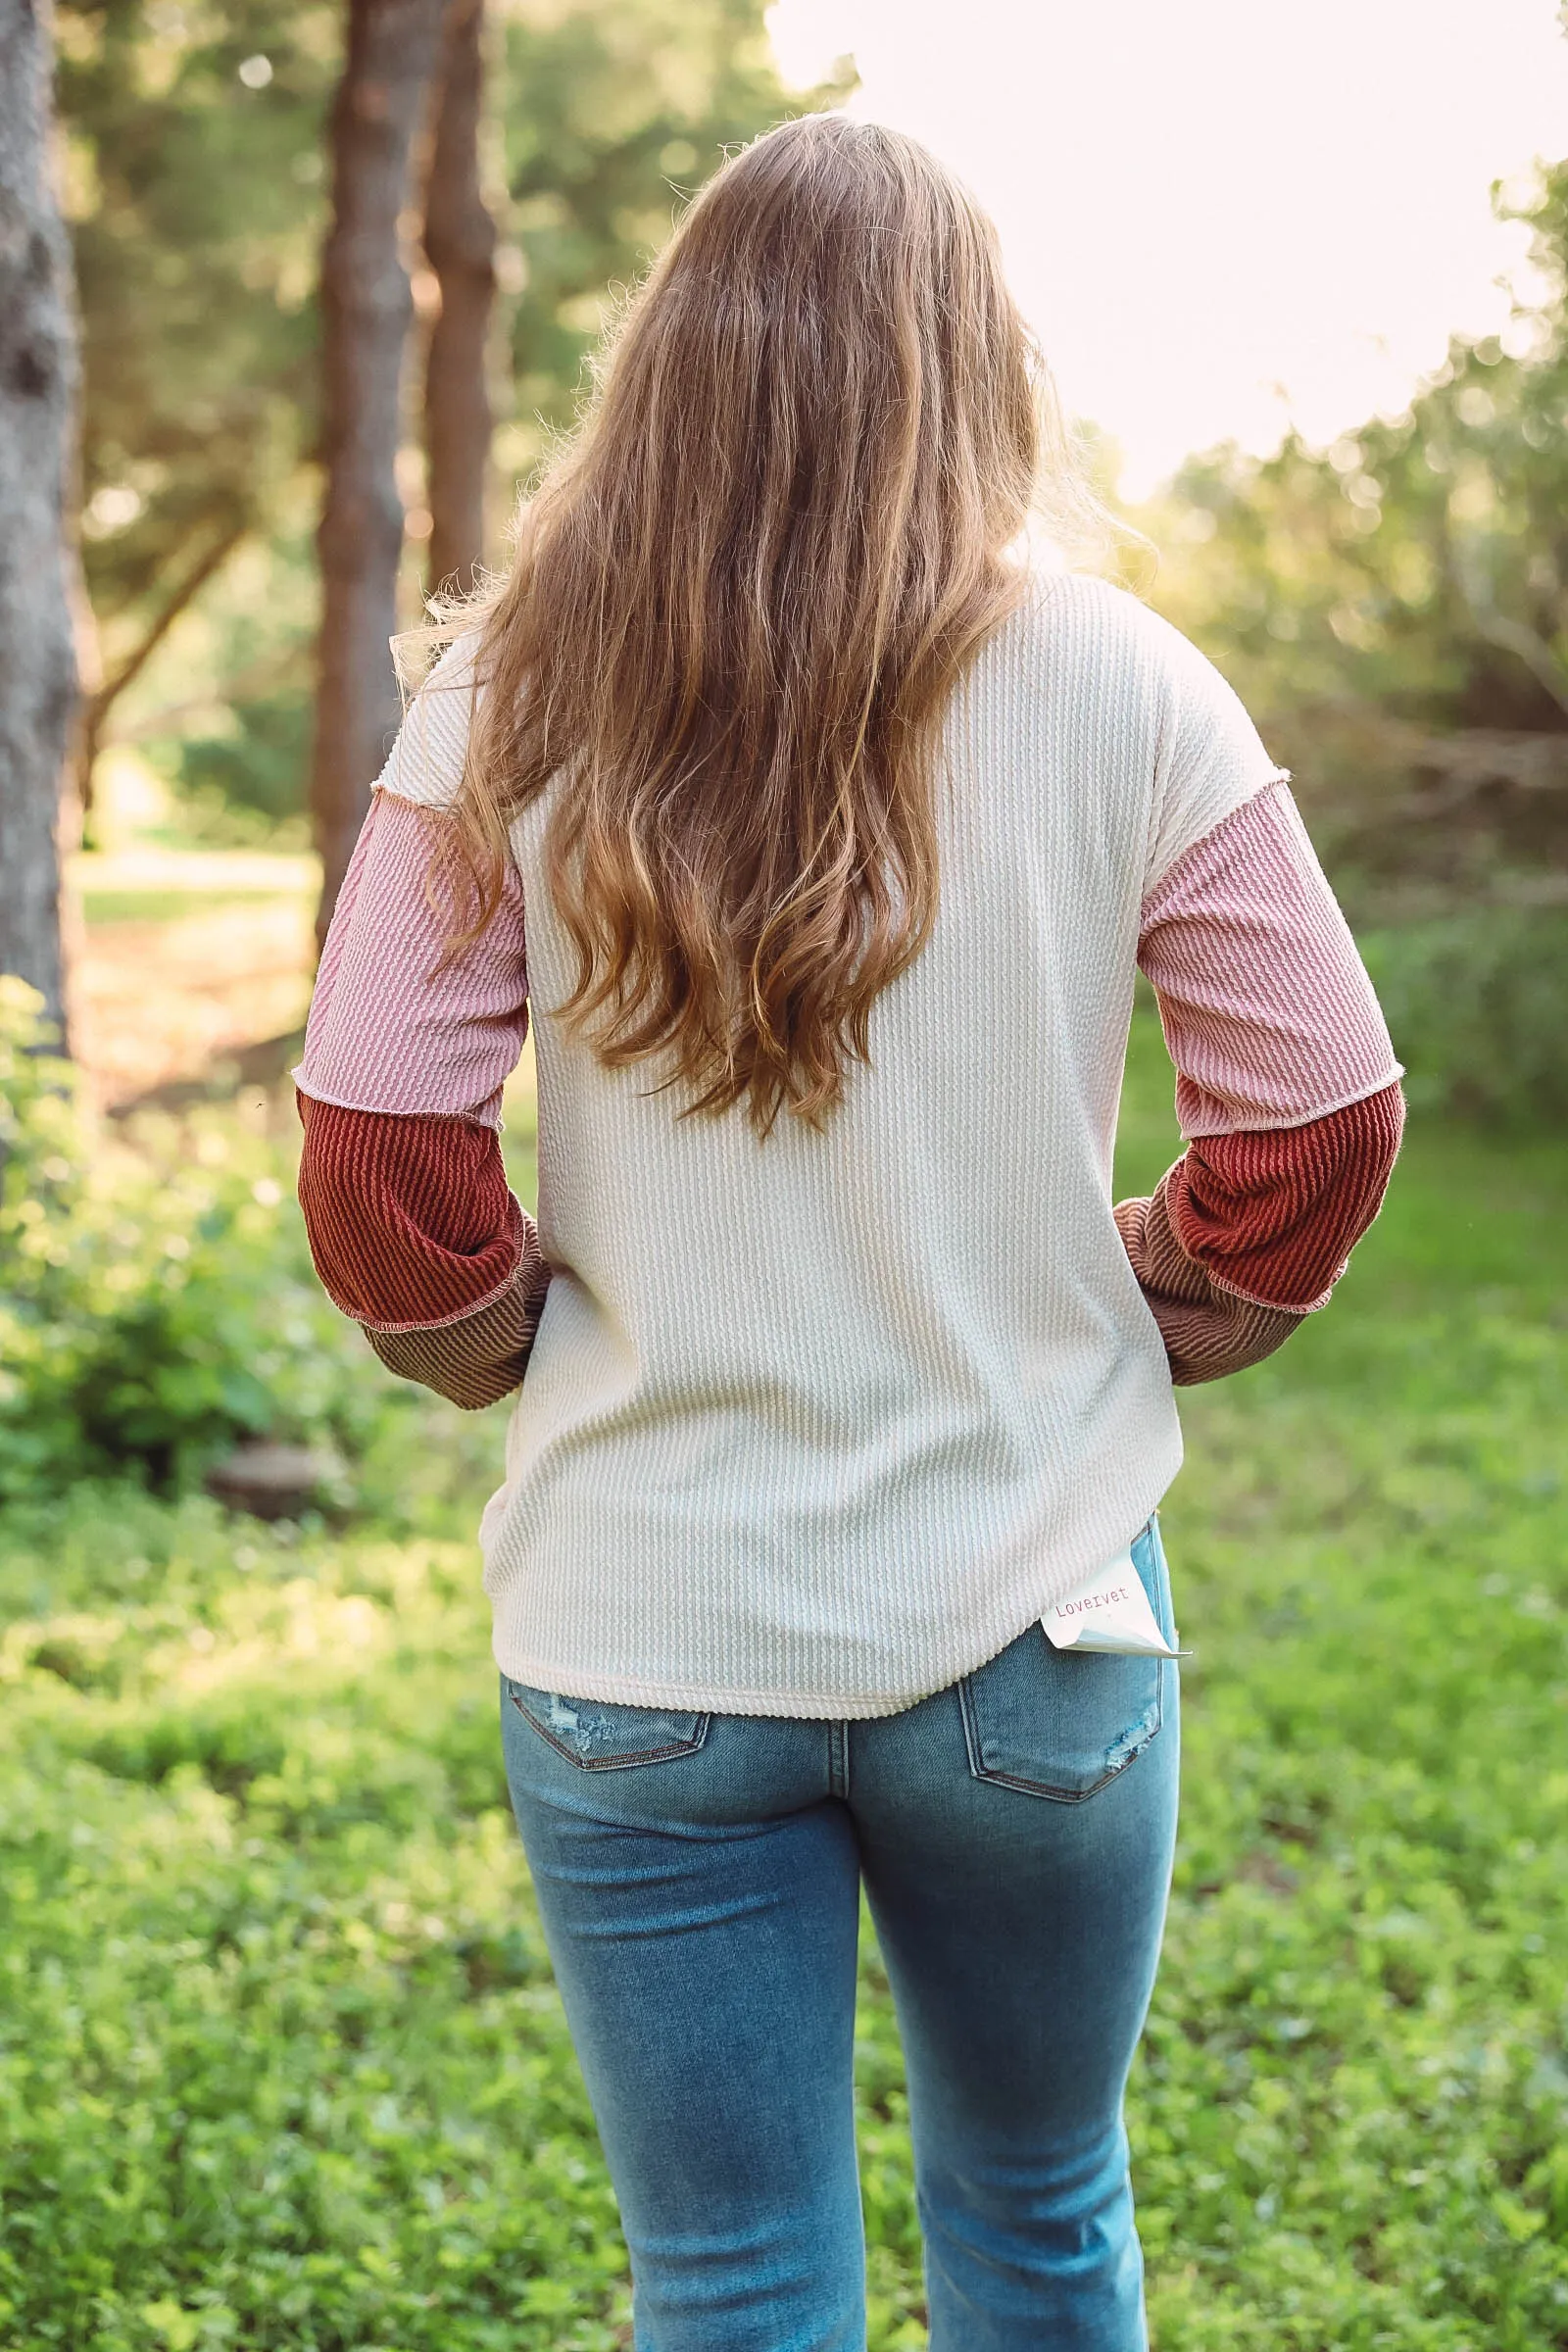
{"x":817,"y":1424}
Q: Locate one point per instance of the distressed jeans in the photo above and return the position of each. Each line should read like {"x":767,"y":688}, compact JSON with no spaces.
{"x":698,"y":1879}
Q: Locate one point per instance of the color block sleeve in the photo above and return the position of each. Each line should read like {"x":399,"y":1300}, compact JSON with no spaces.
{"x":1286,"y":1090}
{"x":1246,"y":1234}
{"x":412,"y":1228}
{"x":392,"y":1025}
{"x":417,"y":1236}
{"x":1268,"y":1012}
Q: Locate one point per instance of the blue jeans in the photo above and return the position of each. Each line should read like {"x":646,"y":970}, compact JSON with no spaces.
{"x":699,"y":1882}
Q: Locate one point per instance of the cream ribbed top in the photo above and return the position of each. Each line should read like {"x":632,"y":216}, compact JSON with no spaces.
{"x":814,"y":1426}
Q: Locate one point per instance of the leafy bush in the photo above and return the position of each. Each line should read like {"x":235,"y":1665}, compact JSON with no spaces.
{"x":157,"y":1300}
{"x":1478,"y":1004}
{"x":261,"y":764}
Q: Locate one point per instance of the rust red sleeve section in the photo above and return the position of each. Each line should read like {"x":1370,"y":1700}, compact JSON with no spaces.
{"x":1247,"y":1232}
{"x":415,"y":1234}
{"x":1274,"y":1216}
{"x":410,"y":1218}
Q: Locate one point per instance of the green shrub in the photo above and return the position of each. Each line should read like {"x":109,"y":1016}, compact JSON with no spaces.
{"x":157,"y":1298}
{"x":1478,"y":1003}
{"x":261,"y":764}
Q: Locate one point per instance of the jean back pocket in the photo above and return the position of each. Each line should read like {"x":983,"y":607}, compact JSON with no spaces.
{"x":604,"y":1737}
{"x":1061,"y":1724}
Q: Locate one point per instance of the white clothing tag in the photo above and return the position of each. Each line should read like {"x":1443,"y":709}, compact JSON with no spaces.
{"x":1109,"y":1613}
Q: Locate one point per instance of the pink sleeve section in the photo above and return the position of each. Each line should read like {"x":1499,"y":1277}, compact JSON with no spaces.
{"x":388,"y":1030}
{"x":1268,"y":1012}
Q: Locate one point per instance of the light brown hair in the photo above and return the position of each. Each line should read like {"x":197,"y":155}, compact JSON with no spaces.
{"x":740,"y":598}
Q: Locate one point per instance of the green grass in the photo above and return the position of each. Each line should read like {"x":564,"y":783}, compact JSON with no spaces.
{"x":280,"y":2062}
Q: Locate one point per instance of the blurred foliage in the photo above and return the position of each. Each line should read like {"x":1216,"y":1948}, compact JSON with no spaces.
{"x":238,"y":763}
{"x":281,"y":2066}
{"x":197,"y":195}
{"x":1395,"y":610}
{"x":194,"y":186}
{"x":157,"y":1298}
{"x":258,"y":764}
{"x":607,"y":115}
{"x":1477,"y":1002}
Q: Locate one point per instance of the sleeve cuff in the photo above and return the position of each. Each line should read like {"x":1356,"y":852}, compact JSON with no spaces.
{"x":476,"y":1358}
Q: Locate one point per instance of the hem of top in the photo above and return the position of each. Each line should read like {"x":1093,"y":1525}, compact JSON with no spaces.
{"x":382,"y":1111}
{"x":800,"y":1706}
{"x":390,"y":792}
{"x":1271,"y":1306}
{"x":1281,"y":1126}
{"x":399,"y":1331}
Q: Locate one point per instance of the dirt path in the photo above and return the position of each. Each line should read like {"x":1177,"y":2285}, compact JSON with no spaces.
{"x":184,"y":957}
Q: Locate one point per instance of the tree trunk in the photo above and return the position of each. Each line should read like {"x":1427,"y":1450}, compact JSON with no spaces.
{"x":460,"y":242}
{"x":37,"y":399}
{"x":366,"y":307}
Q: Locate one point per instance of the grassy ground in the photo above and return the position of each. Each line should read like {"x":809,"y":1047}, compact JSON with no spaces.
{"x":280,"y":2062}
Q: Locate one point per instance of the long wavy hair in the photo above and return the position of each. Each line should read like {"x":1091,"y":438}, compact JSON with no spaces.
{"x":740,"y":598}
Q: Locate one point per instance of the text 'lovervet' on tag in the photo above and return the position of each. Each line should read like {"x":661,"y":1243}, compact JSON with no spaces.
{"x":1109,"y":1614}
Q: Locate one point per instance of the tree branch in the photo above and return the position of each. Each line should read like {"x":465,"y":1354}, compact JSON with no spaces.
{"x":99,"y":704}
{"x":1498,"y":628}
